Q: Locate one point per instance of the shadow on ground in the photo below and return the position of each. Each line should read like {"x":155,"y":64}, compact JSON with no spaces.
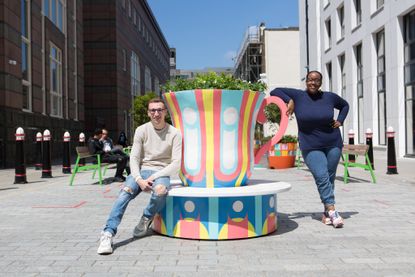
{"x":317,"y":215}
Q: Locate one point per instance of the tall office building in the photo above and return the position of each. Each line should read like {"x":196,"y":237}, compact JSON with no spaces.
{"x":41,"y":73}
{"x":365,"y":50}
{"x":126,"y":54}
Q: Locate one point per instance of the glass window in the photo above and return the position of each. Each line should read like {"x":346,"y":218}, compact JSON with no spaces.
{"x":328,"y":33}
{"x":60,"y":16}
{"x":341,"y":21}
{"x":124,"y":60}
{"x":53,"y":11}
{"x":329,"y":75}
{"x":342,"y":59}
{"x":129,"y":8}
{"x":25,"y":60}
{"x":135,"y":75}
{"x":55,"y":80}
{"x":409,"y":79}
{"x":358,"y":11}
{"x":147,"y":79}
{"x":156,"y":85}
{"x":24,"y":18}
{"x":359,"y":77}
{"x":25,"y":54}
{"x":381,"y":86}
{"x":379,"y":3}
{"x":46,"y":7}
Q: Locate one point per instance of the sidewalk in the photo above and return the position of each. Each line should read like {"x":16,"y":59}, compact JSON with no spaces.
{"x":49,"y":228}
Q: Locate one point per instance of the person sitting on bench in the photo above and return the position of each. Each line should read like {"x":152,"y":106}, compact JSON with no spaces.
{"x":108,"y":145}
{"x":96,"y":146}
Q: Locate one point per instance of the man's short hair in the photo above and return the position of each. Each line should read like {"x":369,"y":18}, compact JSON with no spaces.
{"x":156,"y":100}
{"x":98,"y":131}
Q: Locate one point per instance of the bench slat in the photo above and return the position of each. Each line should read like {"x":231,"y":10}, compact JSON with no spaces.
{"x":83,"y":152}
{"x":355,"y":149}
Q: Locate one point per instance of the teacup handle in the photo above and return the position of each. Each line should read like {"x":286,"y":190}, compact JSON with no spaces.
{"x":262,"y":119}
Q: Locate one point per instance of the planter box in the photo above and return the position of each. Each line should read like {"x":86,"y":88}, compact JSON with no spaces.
{"x":282,"y":156}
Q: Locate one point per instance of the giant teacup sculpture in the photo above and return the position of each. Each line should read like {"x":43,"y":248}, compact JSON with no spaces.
{"x":216,"y":201}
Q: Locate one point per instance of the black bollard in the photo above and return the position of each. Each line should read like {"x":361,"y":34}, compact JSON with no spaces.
{"x":392,"y":168}
{"x":20,"y":168}
{"x":352,"y":158}
{"x":38,"y":159}
{"x":369,"y":141}
{"x":46,"y":166}
{"x":66,"y":157}
{"x":82,"y":143}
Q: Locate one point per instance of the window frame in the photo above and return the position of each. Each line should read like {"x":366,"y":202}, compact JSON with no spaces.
{"x":59,"y":78}
{"x":147,"y":80}
{"x":124,"y":60}
{"x":135,"y":74}
{"x":328,"y":29}
{"x":409,"y":82}
{"x":341,"y":20}
{"x":26,"y":41}
{"x":56,"y":16}
{"x":329,"y":70}
{"x":157,"y":85}
{"x":359,"y":89}
{"x":381,"y":90}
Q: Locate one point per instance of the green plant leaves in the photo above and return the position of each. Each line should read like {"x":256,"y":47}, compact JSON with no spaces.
{"x":212,"y":80}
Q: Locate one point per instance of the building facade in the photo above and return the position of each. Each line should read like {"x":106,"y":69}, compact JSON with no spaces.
{"x":365,"y":50}
{"x":41,"y":73}
{"x":126,"y":55}
{"x":271,"y":55}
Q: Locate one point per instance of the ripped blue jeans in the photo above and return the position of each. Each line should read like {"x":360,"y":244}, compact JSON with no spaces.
{"x":129,"y":192}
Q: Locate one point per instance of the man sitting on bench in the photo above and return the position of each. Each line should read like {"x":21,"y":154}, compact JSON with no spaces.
{"x":96,"y":146}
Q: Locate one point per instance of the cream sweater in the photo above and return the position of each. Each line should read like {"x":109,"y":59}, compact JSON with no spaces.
{"x":159,"y":150}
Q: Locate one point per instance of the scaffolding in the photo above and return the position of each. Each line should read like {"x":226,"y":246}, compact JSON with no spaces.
{"x":249,"y":61}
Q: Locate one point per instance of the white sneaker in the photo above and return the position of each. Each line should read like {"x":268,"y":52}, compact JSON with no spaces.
{"x":336,"y":219}
{"x":105,"y":245}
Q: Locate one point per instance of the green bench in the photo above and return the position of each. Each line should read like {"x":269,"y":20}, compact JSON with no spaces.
{"x":83,"y":153}
{"x":357,"y":150}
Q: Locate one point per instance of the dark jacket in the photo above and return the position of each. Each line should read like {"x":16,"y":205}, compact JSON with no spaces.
{"x":95,"y":146}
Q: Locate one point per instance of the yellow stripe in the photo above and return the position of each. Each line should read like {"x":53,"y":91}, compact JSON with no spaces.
{"x":174,"y":114}
{"x":183,"y":178}
{"x":207,"y":95}
{"x":248,"y":110}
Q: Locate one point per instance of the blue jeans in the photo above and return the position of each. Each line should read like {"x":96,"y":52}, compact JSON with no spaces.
{"x":323,"y":165}
{"x":129,"y":192}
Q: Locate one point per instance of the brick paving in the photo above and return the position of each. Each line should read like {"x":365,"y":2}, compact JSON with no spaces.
{"x":51,"y":229}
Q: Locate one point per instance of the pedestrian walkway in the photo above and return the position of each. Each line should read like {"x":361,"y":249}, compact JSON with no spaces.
{"x":50,"y":228}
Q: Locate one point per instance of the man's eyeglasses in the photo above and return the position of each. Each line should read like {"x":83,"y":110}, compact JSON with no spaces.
{"x":153,"y":111}
{"x":315,"y":81}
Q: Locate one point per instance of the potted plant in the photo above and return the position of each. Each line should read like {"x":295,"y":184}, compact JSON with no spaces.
{"x":282,"y":155}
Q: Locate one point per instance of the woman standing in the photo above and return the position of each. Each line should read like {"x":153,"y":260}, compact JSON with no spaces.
{"x":319,"y":136}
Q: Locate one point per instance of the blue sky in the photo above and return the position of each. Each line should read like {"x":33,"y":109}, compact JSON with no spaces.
{"x":208,"y":33}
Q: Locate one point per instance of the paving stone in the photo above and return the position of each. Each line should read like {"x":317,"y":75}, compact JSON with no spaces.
{"x":44,"y":235}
